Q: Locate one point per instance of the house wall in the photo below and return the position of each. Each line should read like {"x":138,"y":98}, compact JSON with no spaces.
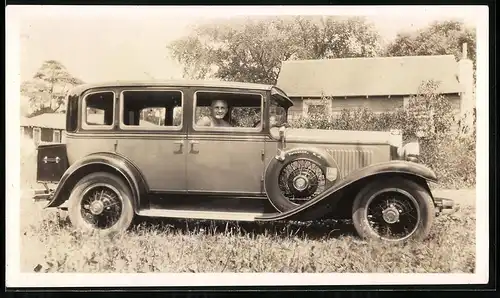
{"x":27,"y":132}
{"x":376,"y":104}
{"x":46,"y":134}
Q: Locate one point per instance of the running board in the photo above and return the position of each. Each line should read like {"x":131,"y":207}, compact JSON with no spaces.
{"x":192,"y":214}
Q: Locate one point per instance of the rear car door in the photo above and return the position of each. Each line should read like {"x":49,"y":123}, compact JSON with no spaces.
{"x":154,"y":136}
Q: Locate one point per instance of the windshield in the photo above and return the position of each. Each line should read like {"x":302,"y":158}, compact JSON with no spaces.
{"x":277,"y":113}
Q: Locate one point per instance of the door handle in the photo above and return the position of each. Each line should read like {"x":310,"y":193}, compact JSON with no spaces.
{"x":51,"y":159}
{"x":192,"y":146}
{"x":180,"y":143}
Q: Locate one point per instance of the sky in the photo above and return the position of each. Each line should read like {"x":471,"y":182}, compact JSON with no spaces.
{"x":101,"y":46}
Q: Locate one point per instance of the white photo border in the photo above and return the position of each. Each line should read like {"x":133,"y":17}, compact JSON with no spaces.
{"x":14,"y":278}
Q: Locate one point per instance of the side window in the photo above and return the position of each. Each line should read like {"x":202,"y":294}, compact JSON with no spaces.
{"x":277,"y":114}
{"x":37,"y":135}
{"x":56,"y":136}
{"x":316,"y":109}
{"x":245,"y":116}
{"x":226,"y":110}
{"x":406,"y":102}
{"x":99,"y":110}
{"x":72,"y":114}
{"x":151,"y":109}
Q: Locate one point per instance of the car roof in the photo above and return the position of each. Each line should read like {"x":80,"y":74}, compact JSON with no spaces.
{"x":78,"y":90}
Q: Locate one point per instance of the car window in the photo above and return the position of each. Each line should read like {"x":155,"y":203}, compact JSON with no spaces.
{"x":245,"y":116}
{"x":99,"y":110}
{"x":227,"y":111}
{"x":151,"y":109}
{"x":277,"y":114}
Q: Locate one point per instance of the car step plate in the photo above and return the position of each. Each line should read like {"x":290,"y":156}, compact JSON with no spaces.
{"x":194,"y":214}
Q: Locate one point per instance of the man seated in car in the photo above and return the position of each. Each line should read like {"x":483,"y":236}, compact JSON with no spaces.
{"x":218,"y":112}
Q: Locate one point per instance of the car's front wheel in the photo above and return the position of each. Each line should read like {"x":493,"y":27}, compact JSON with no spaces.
{"x":393,"y":210}
{"x":101,"y":202}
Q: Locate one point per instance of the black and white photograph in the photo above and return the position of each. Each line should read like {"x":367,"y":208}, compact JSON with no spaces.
{"x":300,"y":145}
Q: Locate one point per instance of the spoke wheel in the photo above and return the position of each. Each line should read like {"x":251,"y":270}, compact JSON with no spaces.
{"x":101,"y":202}
{"x":101,"y":206}
{"x":393,"y":214}
{"x":393,"y":210}
{"x":301,"y":180}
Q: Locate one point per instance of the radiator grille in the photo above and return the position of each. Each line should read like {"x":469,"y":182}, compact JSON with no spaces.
{"x":350,"y":160}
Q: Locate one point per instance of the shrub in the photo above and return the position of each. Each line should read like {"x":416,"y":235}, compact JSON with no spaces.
{"x":429,"y":117}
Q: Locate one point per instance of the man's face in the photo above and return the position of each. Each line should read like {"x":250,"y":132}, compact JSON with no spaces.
{"x":219,"y":109}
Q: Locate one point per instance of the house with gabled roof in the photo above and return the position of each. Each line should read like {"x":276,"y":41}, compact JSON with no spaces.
{"x":46,"y":127}
{"x":380,"y":84}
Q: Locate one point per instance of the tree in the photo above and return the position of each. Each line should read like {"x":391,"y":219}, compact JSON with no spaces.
{"x":439,"y":38}
{"x":47,"y":89}
{"x":433,"y":114}
{"x":252,"y":50}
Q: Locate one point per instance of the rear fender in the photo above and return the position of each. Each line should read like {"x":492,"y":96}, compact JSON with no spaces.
{"x":329,"y":197}
{"x":104,"y":161}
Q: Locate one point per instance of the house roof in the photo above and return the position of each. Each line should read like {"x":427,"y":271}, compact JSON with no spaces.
{"x":48,"y":120}
{"x":24,"y":121}
{"x":58,"y":120}
{"x":367,"y":76}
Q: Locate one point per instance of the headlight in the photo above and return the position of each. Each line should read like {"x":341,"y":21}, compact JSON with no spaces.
{"x":409,"y":151}
{"x":412,"y":148}
{"x":396,"y":138}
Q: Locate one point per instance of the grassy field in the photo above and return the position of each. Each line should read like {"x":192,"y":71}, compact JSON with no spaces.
{"x":49,"y":244}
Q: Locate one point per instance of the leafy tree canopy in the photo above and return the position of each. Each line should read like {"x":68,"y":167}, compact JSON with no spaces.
{"x":252,"y":50}
{"x":47,"y":89}
{"x":439,"y":38}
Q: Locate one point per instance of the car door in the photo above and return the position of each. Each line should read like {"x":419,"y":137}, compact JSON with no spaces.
{"x":153,"y":136}
{"x":227,"y":160}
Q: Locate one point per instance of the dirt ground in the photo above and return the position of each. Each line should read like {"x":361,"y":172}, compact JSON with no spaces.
{"x":462,"y":197}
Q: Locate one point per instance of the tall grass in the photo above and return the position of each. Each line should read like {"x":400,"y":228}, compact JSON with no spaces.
{"x":51,"y":245}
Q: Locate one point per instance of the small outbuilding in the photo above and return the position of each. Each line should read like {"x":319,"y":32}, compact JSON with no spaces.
{"x":46,"y":127}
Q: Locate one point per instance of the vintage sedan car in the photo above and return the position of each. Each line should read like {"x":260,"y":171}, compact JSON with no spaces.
{"x":224,"y":151}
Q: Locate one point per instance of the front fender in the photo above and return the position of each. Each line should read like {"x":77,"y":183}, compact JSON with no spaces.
{"x":397,"y":167}
{"x":105,"y":161}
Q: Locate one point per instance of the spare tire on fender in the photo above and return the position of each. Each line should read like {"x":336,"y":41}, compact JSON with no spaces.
{"x":296,"y":179}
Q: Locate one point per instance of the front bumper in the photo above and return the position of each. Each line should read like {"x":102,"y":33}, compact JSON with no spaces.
{"x":442,"y":203}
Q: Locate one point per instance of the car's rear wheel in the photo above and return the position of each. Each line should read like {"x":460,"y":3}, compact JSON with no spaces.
{"x":294,"y":181}
{"x":393,"y":210}
{"x":101,"y":202}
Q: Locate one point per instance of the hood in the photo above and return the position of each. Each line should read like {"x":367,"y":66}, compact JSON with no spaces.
{"x":324,"y":136}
